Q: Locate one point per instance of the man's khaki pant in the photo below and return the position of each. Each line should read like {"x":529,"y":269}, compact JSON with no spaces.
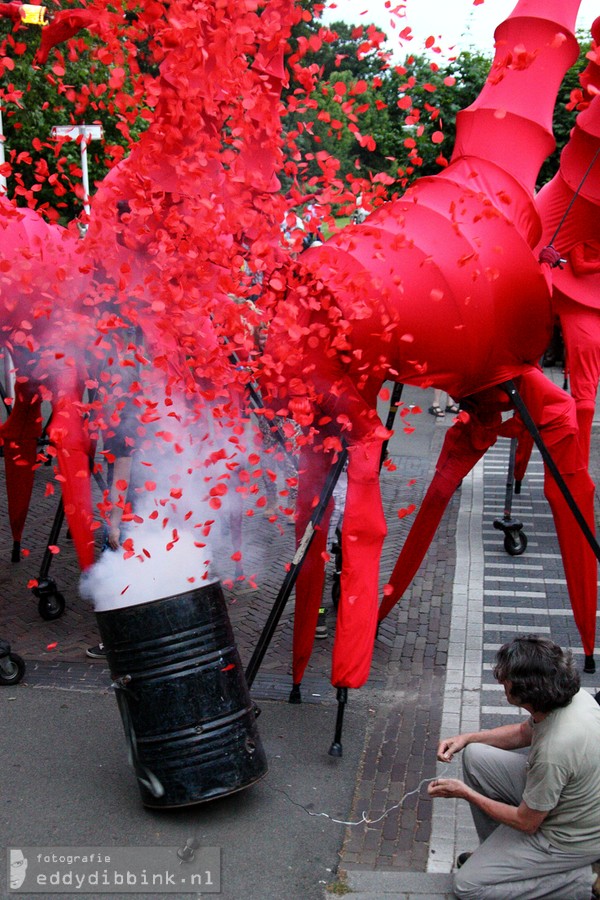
{"x":509,"y":863}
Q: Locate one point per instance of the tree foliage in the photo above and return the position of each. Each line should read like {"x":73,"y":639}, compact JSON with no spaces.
{"x":387,"y":124}
{"x":354,"y":122}
{"x":75,"y":86}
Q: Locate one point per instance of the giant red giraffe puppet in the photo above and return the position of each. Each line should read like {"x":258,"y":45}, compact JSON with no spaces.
{"x":466,"y":265}
{"x":572,"y":194}
{"x":441,"y":288}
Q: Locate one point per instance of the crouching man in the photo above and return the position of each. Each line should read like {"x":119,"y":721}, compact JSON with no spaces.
{"x":537,"y":815}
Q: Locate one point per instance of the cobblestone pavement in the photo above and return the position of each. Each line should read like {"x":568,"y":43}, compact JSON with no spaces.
{"x":431,"y":667}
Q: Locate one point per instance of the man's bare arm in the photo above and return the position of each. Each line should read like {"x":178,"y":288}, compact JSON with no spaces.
{"x":505,"y":737}
{"x":521,"y":817}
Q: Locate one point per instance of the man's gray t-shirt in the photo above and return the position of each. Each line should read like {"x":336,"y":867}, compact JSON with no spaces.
{"x":563,"y":774}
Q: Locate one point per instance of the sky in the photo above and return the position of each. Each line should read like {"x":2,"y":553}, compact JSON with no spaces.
{"x":459,"y":22}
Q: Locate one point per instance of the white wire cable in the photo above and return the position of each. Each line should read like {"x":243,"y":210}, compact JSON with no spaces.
{"x":363,"y":820}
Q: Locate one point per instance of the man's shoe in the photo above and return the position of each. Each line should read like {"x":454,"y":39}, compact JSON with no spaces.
{"x":462,"y":858}
{"x":98,"y":651}
{"x":321,"y":630}
{"x":596,"y":887}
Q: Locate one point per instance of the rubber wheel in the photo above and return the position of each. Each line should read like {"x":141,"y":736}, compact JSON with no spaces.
{"x":17,"y":670}
{"x":51,"y":606}
{"x":515,"y":543}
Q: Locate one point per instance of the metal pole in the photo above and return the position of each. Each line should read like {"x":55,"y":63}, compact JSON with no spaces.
{"x":512,"y":391}
{"x":84,"y":174}
{"x":9,"y":374}
{"x":83,"y":226}
{"x":85,"y":134}
{"x":294,"y":569}
{"x":8,"y":379}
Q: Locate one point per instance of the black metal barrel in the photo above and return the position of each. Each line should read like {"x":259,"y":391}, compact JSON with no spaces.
{"x":186,"y":710}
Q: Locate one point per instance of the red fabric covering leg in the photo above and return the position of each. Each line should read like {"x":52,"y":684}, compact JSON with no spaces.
{"x":71,"y":442}
{"x":554,"y":413}
{"x":460,"y":453}
{"x":523,"y":455}
{"x":363,"y":534}
{"x":19,"y":435}
{"x":474,"y":432}
{"x":581,"y":332}
{"x":578,"y":558}
{"x":585,"y":418}
{"x":313,"y":470}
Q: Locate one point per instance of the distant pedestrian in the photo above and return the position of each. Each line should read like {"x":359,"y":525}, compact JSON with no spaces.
{"x":437,"y":408}
{"x":537,"y":815}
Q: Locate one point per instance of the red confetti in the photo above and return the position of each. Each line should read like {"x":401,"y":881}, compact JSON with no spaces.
{"x":406,"y":511}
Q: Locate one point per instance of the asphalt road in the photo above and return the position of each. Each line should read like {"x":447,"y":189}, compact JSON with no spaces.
{"x":66,"y":781}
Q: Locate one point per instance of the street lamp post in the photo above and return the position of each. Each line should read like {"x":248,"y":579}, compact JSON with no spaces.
{"x":85,"y":133}
{"x":6,"y":360}
{"x":2,"y":156}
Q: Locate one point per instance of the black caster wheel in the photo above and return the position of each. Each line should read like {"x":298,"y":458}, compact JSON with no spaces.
{"x":51,"y":606}
{"x":12,"y":669}
{"x":515,"y":543}
{"x":51,"y":603}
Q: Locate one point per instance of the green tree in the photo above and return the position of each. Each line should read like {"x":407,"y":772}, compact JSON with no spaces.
{"x":564,"y":112}
{"x":75,"y":86}
{"x":379,"y":123}
{"x":423,"y":100}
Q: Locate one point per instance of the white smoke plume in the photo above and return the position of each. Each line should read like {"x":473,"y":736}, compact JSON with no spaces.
{"x":190,"y":495}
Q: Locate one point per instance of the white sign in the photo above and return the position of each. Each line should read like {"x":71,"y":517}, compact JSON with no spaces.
{"x":89,"y":132}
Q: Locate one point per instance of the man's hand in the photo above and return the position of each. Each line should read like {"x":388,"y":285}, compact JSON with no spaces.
{"x":505,"y":737}
{"x":449,"y":746}
{"x":447,"y":787}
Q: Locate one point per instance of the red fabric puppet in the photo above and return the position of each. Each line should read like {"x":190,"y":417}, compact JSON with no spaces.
{"x":442,"y":288}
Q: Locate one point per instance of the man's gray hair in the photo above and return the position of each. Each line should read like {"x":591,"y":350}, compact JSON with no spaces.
{"x":540,"y":673}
